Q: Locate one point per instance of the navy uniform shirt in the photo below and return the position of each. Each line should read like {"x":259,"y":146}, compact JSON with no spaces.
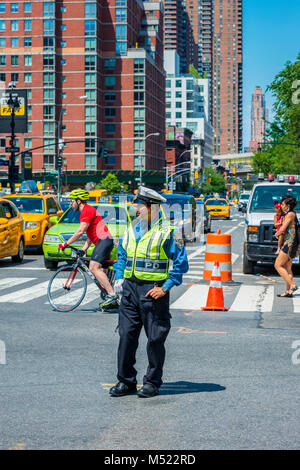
{"x":173,"y":247}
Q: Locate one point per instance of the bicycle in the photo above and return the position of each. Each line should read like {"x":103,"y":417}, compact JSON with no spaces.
{"x":68,"y":285}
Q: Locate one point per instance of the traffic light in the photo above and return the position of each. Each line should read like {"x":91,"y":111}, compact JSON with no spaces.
{"x":233,"y":170}
{"x":102,"y":152}
{"x":196,"y":174}
{"x":59,"y":162}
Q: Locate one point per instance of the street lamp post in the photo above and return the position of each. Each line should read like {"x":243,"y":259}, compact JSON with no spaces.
{"x":174,"y":166}
{"x":60,"y":145}
{"x":149,"y":135}
{"x":14,"y":105}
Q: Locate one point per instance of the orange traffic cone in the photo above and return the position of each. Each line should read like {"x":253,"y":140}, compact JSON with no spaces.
{"x":215,"y":299}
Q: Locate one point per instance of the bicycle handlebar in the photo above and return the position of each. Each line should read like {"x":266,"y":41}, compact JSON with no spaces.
{"x":77,"y":251}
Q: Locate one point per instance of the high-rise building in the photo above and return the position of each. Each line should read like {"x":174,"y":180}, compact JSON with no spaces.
{"x":94,"y":74}
{"x":221,"y":60}
{"x":259,"y":118}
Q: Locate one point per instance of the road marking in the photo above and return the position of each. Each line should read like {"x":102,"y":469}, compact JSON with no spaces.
{"x":296,"y":302}
{"x":254,"y":298}
{"x":25,"y":295}
{"x":193,"y":299}
{"x":14,"y":281}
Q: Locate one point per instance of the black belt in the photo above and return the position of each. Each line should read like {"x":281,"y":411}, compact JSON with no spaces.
{"x":140,"y":281}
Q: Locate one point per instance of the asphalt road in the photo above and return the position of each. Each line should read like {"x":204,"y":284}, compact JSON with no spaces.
{"x":231,"y":379}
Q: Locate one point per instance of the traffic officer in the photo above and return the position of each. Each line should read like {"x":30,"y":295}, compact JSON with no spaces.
{"x":143,"y":275}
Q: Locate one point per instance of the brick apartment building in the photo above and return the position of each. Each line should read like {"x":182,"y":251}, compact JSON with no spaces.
{"x":94,"y":73}
{"x":259,"y":118}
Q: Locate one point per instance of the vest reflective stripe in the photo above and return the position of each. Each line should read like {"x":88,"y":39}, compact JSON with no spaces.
{"x":147,"y":260}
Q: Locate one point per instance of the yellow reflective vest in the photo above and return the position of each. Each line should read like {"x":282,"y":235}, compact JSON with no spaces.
{"x":146,"y":259}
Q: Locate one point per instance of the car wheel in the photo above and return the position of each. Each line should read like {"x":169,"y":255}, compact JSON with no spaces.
{"x":248,"y":266}
{"x":19,"y":257}
{"x":50,"y":264}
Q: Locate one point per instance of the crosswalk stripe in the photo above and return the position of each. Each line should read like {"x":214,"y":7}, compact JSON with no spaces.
{"x":193,"y":299}
{"x":14,"y":281}
{"x":254,"y":298}
{"x":25,"y":295}
{"x":296,"y":302}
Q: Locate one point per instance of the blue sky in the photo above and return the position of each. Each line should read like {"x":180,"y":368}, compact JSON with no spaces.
{"x":271,"y":38}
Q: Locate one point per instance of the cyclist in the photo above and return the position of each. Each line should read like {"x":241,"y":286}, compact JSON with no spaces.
{"x":97,"y":232}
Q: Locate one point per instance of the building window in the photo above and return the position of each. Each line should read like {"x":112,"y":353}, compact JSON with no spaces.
{"x":90,"y":62}
{"x":139,"y":82}
{"x":178,"y":104}
{"x":63,"y":61}
{"x":90,"y":27}
{"x":27,"y":143}
{"x":110,"y":145}
{"x":90,"y":79}
{"x":49,"y":161}
{"x":27,"y":7}
{"x":139,"y":66}
{"x":90,"y":44}
{"x":110,"y":112}
{"x":90,"y":112}
{"x":110,"y":128}
{"x":2,"y":25}
{"x":48,"y":112}
{"x":50,"y":145}
{"x":63,"y":43}
{"x":109,"y":64}
{"x":27,"y":25}
{"x":48,"y":61}
{"x":90,"y":96}
{"x":139,"y":130}
{"x":90,"y":10}
{"x":2,"y":77}
{"x":121,"y":32}
{"x":90,"y":162}
{"x":90,"y":128}
{"x":14,"y":42}
{"x":48,"y":95}
{"x":48,"y":8}
{"x":139,"y":98}
{"x":27,"y":77}
{"x":48,"y":44}
{"x":139,"y":146}
{"x":109,"y":96}
{"x":178,"y":115}
{"x":49,"y":79}
{"x":90,"y":145}
{"x":121,"y":15}
{"x":2,"y":7}
{"x":139,"y":114}
{"x":14,"y":7}
{"x":49,"y":128}
{"x":121,"y":48}
{"x":27,"y":42}
{"x":178,"y":83}
{"x":110,"y":81}
{"x":14,"y":77}
{"x":2,"y":59}
{"x":2,"y":42}
{"x":27,"y":60}
{"x":178,"y":94}
{"x":110,"y":160}
{"x":14,"y":25}
{"x":63,"y":27}
{"x":189,"y":84}
{"x":49,"y":27}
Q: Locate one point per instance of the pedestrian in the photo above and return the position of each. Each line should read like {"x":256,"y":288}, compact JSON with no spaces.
{"x":289,"y":249}
{"x":278,"y":219}
{"x":143,"y":274}
{"x":98,"y":234}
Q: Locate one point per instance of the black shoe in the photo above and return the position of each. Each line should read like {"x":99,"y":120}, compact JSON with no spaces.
{"x":148,"y":391}
{"x":121,"y":389}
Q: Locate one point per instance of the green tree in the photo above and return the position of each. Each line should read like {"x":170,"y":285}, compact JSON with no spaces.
{"x":281,"y":158}
{"x":110,"y":183}
{"x":214,"y":182}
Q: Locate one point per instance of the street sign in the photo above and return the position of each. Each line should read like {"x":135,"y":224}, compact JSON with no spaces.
{"x":53,"y":172}
{"x":20,"y":113}
{"x":12,"y":149}
{"x":4,"y":162}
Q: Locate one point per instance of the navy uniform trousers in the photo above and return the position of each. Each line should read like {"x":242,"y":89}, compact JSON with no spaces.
{"x":137,"y":311}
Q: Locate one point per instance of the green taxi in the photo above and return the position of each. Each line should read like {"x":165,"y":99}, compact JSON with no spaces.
{"x":116,"y":217}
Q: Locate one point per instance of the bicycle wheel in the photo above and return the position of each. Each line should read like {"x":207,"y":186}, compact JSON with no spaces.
{"x":67,"y":288}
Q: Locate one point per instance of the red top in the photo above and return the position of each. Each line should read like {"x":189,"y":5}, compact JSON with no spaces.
{"x":97,"y":228}
{"x":279,"y":218}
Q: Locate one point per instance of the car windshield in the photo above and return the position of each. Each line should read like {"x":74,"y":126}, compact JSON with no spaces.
{"x":244,"y":196}
{"x":29,"y":204}
{"x":216,"y":202}
{"x":113,"y":215}
{"x":264,"y":197}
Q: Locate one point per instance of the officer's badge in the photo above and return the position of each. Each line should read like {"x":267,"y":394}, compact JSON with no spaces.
{"x":178,"y":241}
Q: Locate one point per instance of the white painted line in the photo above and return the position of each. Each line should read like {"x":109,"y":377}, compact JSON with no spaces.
{"x":193,"y":299}
{"x":296,"y":302}
{"x":15,"y":268}
{"x":92,"y":293}
{"x":24,"y":295}
{"x":14,"y":281}
{"x":234,"y":257}
{"x":254,"y":299}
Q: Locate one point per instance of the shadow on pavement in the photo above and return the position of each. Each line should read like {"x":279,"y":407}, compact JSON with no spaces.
{"x":174,"y":388}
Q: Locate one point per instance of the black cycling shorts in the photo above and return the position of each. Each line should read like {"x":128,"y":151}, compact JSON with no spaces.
{"x":102,"y":250}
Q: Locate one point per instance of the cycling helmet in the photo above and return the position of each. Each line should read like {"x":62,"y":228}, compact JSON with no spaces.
{"x":81,"y":194}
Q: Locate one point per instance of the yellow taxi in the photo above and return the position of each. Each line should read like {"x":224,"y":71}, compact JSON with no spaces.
{"x":36,"y":210}
{"x":218,"y":207}
{"x":12,"y":236}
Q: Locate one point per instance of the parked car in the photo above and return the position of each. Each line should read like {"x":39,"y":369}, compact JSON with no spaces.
{"x":116,"y":216}
{"x":243,"y":201}
{"x":218,"y":207}
{"x":36,"y":210}
{"x":12,"y":235}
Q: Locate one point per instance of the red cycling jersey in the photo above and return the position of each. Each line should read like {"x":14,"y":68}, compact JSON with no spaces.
{"x":97,"y":228}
